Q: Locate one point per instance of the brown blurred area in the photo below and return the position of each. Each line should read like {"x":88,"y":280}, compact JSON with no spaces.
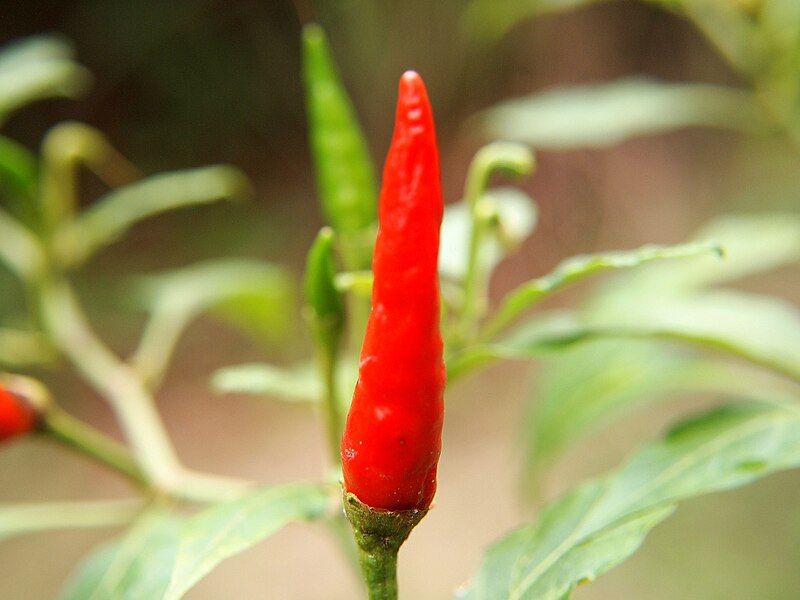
{"x":181,"y":84}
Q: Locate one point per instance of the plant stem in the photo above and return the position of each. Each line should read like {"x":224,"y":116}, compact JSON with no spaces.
{"x":130,"y":400}
{"x":66,"y":429}
{"x":331,"y":412}
{"x":379,"y":535}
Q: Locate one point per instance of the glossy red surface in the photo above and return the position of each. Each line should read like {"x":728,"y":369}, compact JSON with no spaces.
{"x":392,"y":438}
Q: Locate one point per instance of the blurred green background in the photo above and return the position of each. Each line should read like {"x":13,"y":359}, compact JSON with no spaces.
{"x":180,"y":84}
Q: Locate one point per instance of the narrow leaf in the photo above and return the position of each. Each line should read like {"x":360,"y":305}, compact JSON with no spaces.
{"x":118,"y":211}
{"x":601,"y":115}
{"x":38,"y":68}
{"x":259,"y":379}
{"x":579,"y":267}
{"x":598,"y":525}
{"x":21,"y":519}
{"x":228,"y":529}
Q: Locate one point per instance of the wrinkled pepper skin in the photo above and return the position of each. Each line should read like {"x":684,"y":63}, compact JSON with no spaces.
{"x":17,"y":417}
{"x":392,"y":439}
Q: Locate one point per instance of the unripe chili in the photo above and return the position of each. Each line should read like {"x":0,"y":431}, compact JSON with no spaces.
{"x":392,"y":438}
{"x":17,"y":416}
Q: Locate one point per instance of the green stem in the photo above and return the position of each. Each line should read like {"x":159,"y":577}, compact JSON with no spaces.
{"x":379,"y":535}
{"x":130,"y":400}
{"x":331,"y":412}
{"x":73,"y":433}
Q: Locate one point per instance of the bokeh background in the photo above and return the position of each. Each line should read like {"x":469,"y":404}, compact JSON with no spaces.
{"x":181,"y":84}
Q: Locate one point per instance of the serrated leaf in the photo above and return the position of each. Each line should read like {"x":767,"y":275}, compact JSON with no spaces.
{"x":225,"y":530}
{"x":598,"y":525}
{"x":21,"y":519}
{"x":605,"y":114}
{"x":516,"y":219}
{"x":115,"y":213}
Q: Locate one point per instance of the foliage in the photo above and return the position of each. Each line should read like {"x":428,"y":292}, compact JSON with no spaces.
{"x":667,"y":322}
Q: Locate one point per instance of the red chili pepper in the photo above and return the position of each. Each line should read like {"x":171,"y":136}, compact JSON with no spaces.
{"x":17,"y":417}
{"x":392,"y":439}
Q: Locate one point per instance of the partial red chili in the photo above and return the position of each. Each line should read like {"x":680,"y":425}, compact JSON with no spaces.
{"x":392,"y":439}
{"x":17,"y":416}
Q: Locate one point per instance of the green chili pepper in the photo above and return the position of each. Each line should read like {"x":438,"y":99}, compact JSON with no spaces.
{"x":345,"y":173}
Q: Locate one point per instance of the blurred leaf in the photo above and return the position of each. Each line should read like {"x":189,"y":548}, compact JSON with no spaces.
{"x":164,"y":555}
{"x":256,"y":296}
{"x":296,"y":384}
{"x":19,"y":248}
{"x":600,"y":115}
{"x":228,"y":529}
{"x":118,"y":211}
{"x":18,"y":179}
{"x":579,"y":267}
{"x":135,"y":567}
{"x":20,"y":519}
{"x":752,"y":243}
{"x":299,"y":383}
{"x":345,"y":174}
{"x":595,"y":527}
{"x":490,"y":20}
{"x":586,"y":386}
{"x":20,"y":349}
{"x":37,"y":68}
{"x":516,"y":216}
{"x":762,"y":330}
{"x":325,"y":310}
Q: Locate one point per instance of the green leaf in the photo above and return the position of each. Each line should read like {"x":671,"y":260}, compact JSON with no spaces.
{"x":344,"y":170}
{"x":579,"y":267}
{"x":514,"y":221}
{"x":762,"y":330}
{"x":112,"y":216}
{"x":601,"y":115}
{"x":21,"y":519}
{"x":254,"y":295}
{"x":164,"y":555}
{"x":38,"y":68}
{"x":587,"y":385}
{"x":20,"y":250}
{"x":18,"y":178}
{"x":228,"y":529}
{"x":137,"y":566}
{"x":299,"y":383}
{"x":296,"y":384}
{"x":752,"y":243}
{"x":592,"y":529}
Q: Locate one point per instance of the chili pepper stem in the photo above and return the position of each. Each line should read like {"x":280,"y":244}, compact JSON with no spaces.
{"x":73,"y":433}
{"x":379,"y":535}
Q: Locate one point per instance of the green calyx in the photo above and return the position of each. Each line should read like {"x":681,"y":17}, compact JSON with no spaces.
{"x":379,"y":535}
